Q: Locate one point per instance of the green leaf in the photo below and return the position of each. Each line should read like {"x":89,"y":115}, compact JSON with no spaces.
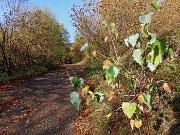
{"x":84,"y":47}
{"x":158,"y":49}
{"x":99,"y":96}
{"x":143,"y":28}
{"x":88,"y":100}
{"x":132,"y":40}
{"x":104,"y":23}
{"x":155,"y":4}
{"x":112,"y":72}
{"x":76,"y":82}
{"x":151,"y":38}
{"x":113,"y":29}
{"x":75,"y":100}
{"x":133,"y":83}
{"x":151,"y":66}
{"x":170,"y":52}
{"x":129,"y":109}
{"x":146,"y":18}
{"x":138,"y":123}
{"x":137,"y":54}
{"x":148,"y":100}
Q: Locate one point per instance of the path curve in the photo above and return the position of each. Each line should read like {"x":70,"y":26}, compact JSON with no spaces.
{"x":40,"y":106}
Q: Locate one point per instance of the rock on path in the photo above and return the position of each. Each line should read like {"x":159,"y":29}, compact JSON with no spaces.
{"x":40,"y":106}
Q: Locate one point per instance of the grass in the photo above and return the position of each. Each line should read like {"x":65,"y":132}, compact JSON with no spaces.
{"x":31,"y":71}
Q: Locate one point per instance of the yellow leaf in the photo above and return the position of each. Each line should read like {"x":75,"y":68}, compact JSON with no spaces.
{"x":94,"y":53}
{"x":86,"y":89}
{"x":91,"y":93}
{"x":105,"y":39}
{"x":121,"y":86}
{"x":141,"y":98}
{"x":109,"y":95}
{"x":132,"y":123}
{"x":138,"y":123}
{"x":106,"y":64}
{"x":167,"y":88}
{"x":108,"y":115}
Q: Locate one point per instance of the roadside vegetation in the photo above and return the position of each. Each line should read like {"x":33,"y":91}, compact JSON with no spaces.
{"x":132,"y":63}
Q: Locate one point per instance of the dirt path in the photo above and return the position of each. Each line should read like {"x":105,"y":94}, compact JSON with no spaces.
{"x":39,"y":106}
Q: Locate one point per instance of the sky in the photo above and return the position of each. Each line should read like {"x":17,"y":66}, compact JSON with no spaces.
{"x":61,"y":9}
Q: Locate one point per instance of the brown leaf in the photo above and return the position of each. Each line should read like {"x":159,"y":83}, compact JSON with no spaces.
{"x":167,"y":88}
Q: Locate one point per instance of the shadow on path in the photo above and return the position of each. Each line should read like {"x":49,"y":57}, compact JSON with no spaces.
{"x":40,"y":106}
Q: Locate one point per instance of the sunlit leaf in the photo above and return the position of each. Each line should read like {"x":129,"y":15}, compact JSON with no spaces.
{"x":167,"y":88}
{"x":137,"y":54}
{"x":146,"y":18}
{"x":171,"y":52}
{"x":94,"y":53}
{"x":109,"y":95}
{"x":91,"y":93}
{"x":85,"y":89}
{"x":138,"y":123}
{"x":141,"y":98}
{"x":84,"y":47}
{"x":155,"y":4}
{"x":151,"y":67}
{"x":106,"y":64}
{"x":75,"y":100}
{"x":105,"y":39}
{"x":108,"y":115}
{"x":129,"y":109}
{"x":88,"y":101}
{"x":132,"y":124}
{"x":132,"y":40}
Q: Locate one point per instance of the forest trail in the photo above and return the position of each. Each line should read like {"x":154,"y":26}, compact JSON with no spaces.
{"x":40,"y":106}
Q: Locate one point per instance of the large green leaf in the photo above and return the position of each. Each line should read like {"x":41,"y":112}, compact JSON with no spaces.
{"x":132,"y":40}
{"x":155,"y":4}
{"x":75,"y":100}
{"x":158,"y":49}
{"x":147,"y":99}
{"x":137,"y":54}
{"x":146,"y":18}
{"x":129,"y":109}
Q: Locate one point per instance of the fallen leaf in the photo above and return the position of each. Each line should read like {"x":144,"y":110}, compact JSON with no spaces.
{"x":106,"y":64}
{"x":141,"y":98}
{"x":110,"y":95}
{"x":85,"y":89}
{"x":108,"y":115}
{"x":59,"y":117}
{"x":132,"y":123}
{"x":121,"y":86}
{"x":167,"y":88}
{"x":105,"y":39}
{"x":94,"y":53}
